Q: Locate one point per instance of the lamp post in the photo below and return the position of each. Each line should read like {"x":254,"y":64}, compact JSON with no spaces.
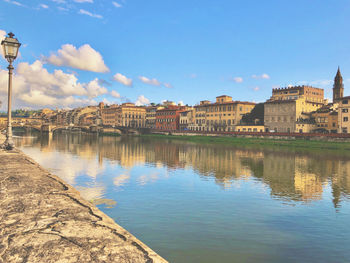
{"x":10,"y":47}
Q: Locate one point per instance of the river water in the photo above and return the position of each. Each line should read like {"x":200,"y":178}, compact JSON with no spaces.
{"x":210,"y":203}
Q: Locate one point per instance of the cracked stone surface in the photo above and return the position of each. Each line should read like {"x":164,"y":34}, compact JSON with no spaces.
{"x":42,"y":219}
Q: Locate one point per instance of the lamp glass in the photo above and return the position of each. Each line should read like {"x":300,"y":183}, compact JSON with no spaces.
{"x":11,"y":47}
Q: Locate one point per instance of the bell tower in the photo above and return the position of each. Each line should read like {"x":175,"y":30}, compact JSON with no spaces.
{"x":338,"y":87}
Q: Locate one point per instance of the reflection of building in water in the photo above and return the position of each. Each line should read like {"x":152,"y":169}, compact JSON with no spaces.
{"x":290,"y":175}
{"x":224,"y":164}
{"x":308,"y":185}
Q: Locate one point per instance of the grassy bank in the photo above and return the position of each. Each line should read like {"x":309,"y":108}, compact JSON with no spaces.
{"x":254,"y":142}
{"x":113,"y":134}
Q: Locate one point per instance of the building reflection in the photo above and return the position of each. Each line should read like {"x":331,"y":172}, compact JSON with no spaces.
{"x":290,"y":175}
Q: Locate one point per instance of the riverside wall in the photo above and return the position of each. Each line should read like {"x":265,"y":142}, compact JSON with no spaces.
{"x":43,"y":219}
{"x":263,"y":135}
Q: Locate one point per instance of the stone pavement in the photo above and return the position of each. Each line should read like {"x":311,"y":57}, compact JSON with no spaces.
{"x":42,"y":219}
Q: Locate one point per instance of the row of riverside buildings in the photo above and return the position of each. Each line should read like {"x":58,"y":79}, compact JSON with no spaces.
{"x":296,"y":109}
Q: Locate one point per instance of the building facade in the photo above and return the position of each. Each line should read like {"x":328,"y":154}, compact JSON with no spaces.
{"x":168,"y":119}
{"x":186,"y":119}
{"x":283,"y":115}
{"x":249,"y":128}
{"x":288,"y":109}
{"x":326,"y":120}
{"x":129,"y":115}
{"x":151,"y":113}
{"x":344,"y":115}
{"x":223,"y":115}
{"x":311,"y":94}
{"x":109,"y":115}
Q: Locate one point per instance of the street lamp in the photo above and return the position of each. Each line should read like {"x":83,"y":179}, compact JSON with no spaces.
{"x":10,"y":47}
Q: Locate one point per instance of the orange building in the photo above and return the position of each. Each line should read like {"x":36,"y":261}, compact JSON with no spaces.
{"x":168,"y":119}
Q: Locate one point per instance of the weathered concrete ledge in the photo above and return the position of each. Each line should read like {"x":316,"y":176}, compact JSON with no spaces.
{"x":42,"y":219}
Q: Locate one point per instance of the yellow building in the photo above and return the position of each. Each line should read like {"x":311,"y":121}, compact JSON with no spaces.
{"x":129,"y":115}
{"x":326,"y":120}
{"x":344,"y":115}
{"x":151,"y":116}
{"x":249,"y":128}
{"x":186,"y":119}
{"x":311,"y":94}
{"x":109,"y":115}
{"x":305,"y":126}
{"x":222,"y":115}
{"x":288,"y":109}
{"x":20,"y":121}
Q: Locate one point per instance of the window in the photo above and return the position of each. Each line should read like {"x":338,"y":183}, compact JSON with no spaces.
{"x":345,"y":119}
{"x":345,"y":101}
{"x":344,"y":110}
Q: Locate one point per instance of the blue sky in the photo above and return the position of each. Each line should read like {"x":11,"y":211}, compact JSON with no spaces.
{"x":177,"y":50}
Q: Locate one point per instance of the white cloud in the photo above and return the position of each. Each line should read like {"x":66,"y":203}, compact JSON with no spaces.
{"x":84,"y":12}
{"x":35,"y":87}
{"x":146,"y":80}
{"x":117,"y":5}
{"x":256,"y":88}
{"x":181,"y":103}
{"x":14,"y":2}
{"x":115,"y":94}
{"x":122,"y":79}
{"x":44,"y":6}
{"x":2,"y":36}
{"x":59,"y":1}
{"x":94,"y":89}
{"x":84,"y":58}
{"x":121,"y":180}
{"x":142,"y":100}
{"x":145,"y":179}
{"x":193,"y":76}
{"x":238,"y":79}
{"x":84,"y":1}
{"x":262,"y":76}
{"x":168,"y":85}
{"x":62,"y":8}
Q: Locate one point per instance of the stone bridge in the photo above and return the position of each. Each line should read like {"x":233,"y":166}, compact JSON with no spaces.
{"x":51,"y":128}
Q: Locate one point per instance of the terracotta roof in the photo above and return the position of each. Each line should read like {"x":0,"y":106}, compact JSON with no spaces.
{"x":226,"y":103}
{"x":279,"y":101}
{"x":223,"y":96}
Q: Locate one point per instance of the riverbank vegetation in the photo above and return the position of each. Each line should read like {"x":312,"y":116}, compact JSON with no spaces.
{"x":256,"y":142}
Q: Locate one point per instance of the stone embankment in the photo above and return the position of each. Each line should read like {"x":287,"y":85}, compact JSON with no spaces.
{"x":263,"y":135}
{"x":42,"y":219}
